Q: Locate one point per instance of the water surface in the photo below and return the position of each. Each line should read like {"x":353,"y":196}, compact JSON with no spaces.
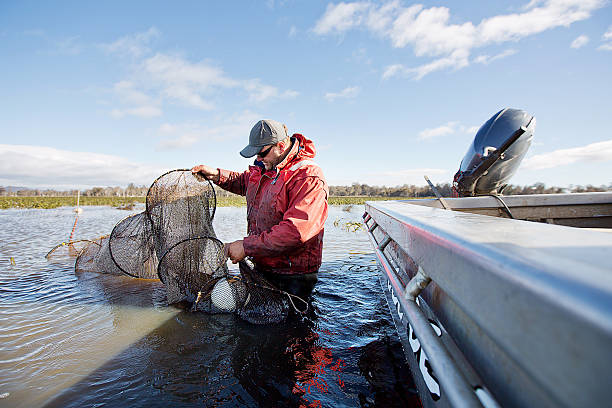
{"x":74,"y":340}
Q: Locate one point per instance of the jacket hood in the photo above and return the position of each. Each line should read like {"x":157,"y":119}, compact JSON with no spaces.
{"x":303,"y":149}
{"x":307,"y":148}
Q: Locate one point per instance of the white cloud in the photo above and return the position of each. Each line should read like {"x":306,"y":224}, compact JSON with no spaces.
{"x":142,"y":105}
{"x":395,"y":70}
{"x":532,"y":4}
{"x":141,"y":111}
{"x":536,"y":19}
{"x":458,"y":59}
{"x":168,"y":128}
{"x":443,"y":130}
{"x":580,"y":41}
{"x":347,"y":93}
{"x":175,"y":70}
{"x":182,"y":142}
{"x":185,"y":82}
{"x":431,"y":33}
{"x":133,"y":45}
{"x":449,"y":128}
{"x":382,"y":17}
{"x":472,"y":130}
{"x":487,"y":59}
{"x":293,"y":31}
{"x":160,"y":78}
{"x":341,"y":17}
{"x":68,"y":46}
{"x":360,"y":56}
{"x":41,"y":166}
{"x":272,"y":4}
{"x":63,"y":46}
{"x":194,"y":84}
{"x":184,"y":135}
{"x":129,"y":94}
{"x":607,"y":39}
{"x":601,"y":151}
{"x":259,"y":92}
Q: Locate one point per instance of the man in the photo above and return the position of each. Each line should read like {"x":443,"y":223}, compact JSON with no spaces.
{"x":286,"y":197}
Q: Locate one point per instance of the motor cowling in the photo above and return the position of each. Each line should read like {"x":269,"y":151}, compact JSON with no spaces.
{"x":495,"y":154}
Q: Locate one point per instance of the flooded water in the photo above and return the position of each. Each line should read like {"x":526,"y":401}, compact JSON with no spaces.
{"x":80,"y":340}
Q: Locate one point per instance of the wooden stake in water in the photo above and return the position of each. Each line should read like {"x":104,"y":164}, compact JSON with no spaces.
{"x":77,"y":211}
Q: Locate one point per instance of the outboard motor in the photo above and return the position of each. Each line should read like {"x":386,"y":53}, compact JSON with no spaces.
{"x":495,"y":154}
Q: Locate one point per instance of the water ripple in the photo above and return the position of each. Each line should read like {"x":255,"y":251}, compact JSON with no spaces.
{"x":89,"y":339}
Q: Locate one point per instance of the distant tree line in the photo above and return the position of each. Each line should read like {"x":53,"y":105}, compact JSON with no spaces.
{"x":356,"y":189}
{"x":445,"y":189}
{"x":131,"y":190}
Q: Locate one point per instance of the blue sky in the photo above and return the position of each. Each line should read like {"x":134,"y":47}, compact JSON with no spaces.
{"x":107,"y":93}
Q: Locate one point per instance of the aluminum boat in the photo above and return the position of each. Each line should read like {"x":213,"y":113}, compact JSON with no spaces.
{"x":500,"y":300}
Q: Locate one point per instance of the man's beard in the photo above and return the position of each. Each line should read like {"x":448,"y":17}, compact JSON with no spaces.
{"x":272,"y":165}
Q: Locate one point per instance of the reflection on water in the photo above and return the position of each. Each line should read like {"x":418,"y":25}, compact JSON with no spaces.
{"x":90,"y":339}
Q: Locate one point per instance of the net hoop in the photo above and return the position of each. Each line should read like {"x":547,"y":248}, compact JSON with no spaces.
{"x":66,"y":243}
{"x":177,"y":244}
{"x":110,"y":246}
{"x":147,"y":203}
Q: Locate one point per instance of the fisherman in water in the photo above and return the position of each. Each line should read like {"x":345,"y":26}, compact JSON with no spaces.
{"x":286,"y":196}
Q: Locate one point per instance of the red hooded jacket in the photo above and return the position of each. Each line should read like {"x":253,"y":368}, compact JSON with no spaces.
{"x":286,"y":210}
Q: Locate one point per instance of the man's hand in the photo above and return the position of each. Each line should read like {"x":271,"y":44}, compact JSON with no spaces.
{"x":209,"y":173}
{"x":235,"y":251}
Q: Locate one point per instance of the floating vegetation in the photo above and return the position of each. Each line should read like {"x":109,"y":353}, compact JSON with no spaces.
{"x":350,"y":226}
{"x":359,"y":200}
{"x":127,"y":207}
{"x":347,"y":208}
{"x":67,"y":201}
{"x":124,"y":202}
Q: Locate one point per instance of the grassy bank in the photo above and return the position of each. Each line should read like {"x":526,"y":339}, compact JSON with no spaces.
{"x":359,"y":200}
{"x":54,"y":202}
{"x":127,"y":202}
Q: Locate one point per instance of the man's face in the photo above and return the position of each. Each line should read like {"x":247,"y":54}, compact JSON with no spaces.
{"x":269,"y":156}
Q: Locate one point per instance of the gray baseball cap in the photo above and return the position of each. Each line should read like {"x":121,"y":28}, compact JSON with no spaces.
{"x":265,"y":132}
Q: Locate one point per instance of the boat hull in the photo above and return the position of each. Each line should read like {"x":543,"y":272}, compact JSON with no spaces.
{"x":524,"y":310}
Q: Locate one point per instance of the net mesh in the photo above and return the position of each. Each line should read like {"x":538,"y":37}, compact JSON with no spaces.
{"x":95,"y":257}
{"x":132,"y":247}
{"x":264,"y":303}
{"x":177,"y":229}
{"x":191,"y":267}
{"x":180,"y":206}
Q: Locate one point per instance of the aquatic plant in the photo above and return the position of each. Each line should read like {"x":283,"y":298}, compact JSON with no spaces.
{"x":350,"y":226}
{"x":222,"y":201}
